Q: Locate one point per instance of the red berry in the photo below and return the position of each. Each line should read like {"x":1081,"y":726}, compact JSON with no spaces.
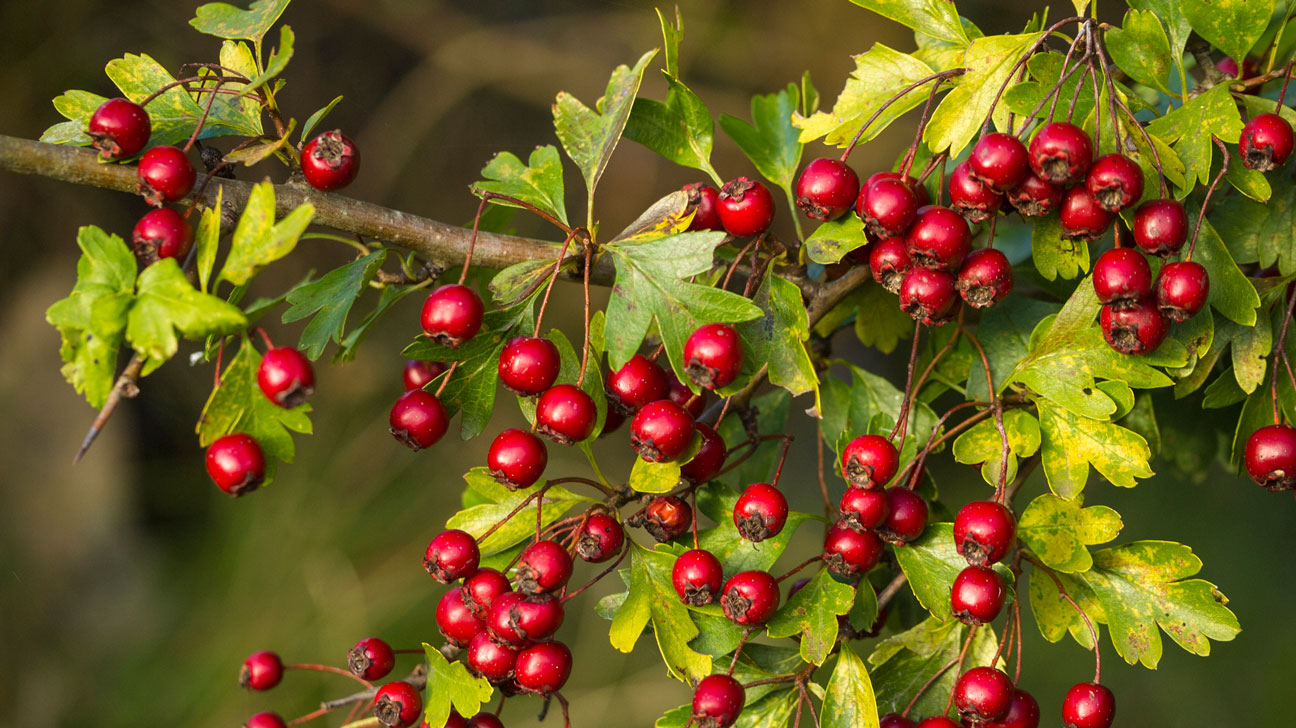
{"x":119,"y":128}
{"x":1122,"y":276}
{"x":761,"y":512}
{"x":937,"y":721}
{"x":453,"y":721}
{"x":971,"y":197}
{"x":717,"y":702}
{"x":907,"y":519}
{"x":161,"y":233}
{"x":1088,"y":705}
{"x":480,"y":589}
{"x":709,"y":459}
{"x":713,"y":356}
{"x":1081,"y":216}
{"x":236,"y":464}
{"x":849,"y":553}
{"x":1266,"y":142}
{"x":661,"y":431}
{"x":543,"y":567}
{"x":665,"y":518}
{"x":330,"y":161}
{"x":889,"y":262}
{"x":983,"y":694}
{"x":418,"y":419}
{"x":1023,"y":712}
{"x":601,"y":537}
{"x":703,"y":202}
{"x":544,"y":668}
{"x":265,"y":720}
{"x":895,"y":720}
{"x":1035,"y":196}
{"x":1270,"y":457}
{"x":826,"y":189}
{"x":920,"y":192}
{"x":165,"y":175}
{"x":517,"y":458}
{"x":612,"y":422}
{"x":638,"y":382}
{"x":451,"y":555}
{"x":1061,"y":153}
{"x":528,"y":365}
{"x":455,"y":620}
{"x":1138,"y":329}
{"x":490,"y":659}
{"x":371,"y":658}
{"x":746,"y":207}
{"x":869,"y":461}
{"x":452,"y":315}
{"x":977,"y":595}
{"x":985,"y":278}
{"x":1115,"y":181}
{"x":519,"y":620}
{"x":397,"y":704}
{"x":286,"y":377}
{"x":887,"y":206}
{"x":928,"y":296}
{"x":750,"y":598}
{"x":1000,"y":160}
{"x":417,"y":373}
{"x":261,"y":671}
{"x":862,"y":509}
{"x":565,"y":414}
{"x":483,"y":720}
{"x":939,"y":239}
{"x":1160,"y":227}
{"x":984,"y":531}
{"x":681,"y":395}
{"x":1228,"y":66}
{"x":1181,"y":290}
{"x":697,"y":576}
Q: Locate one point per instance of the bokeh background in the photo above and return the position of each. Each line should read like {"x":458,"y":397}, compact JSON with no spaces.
{"x":130,"y":589}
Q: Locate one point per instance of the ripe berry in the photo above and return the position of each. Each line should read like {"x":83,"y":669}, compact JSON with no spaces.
{"x":983,"y":694}
{"x":971,"y":197}
{"x":543,"y":668}
{"x":887,"y":206}
{"x":480,"y":589}
{"x":1061,"y":153}
{"x":265,"y":720}
{"x":1115,"y":181}
{"x":1270,"y":457}
{"x":638,"y":382}
{"x":937,"y":721}
{"x":417,"y":374}
{"x":928,"y":296}
{"x":261,"y":671}
{"x":418,"y":419}
{"x":717,"y":702}
{"x":977,"y":595}
{"x":483,"y":720}
{"x":601,"y":537}
{"x":1181,"y":290}
{"x":1000,"y":160}
{"x":565,"y":414}
{"x":984,"y":531}
{"x":939,"y":239}
{"x":1160,"y":227}
{"x":452,"y":315}
{"x":703,"y":202}
{"x":1035,"y":196}
{"x":750,"y":598}
{"x":869,"y":461}
{"x":1023,"y":712}
{"x":1081,"y":216}
{"x":454,"y":720}
{"x":612,"y":421}
{"x":920,"y":192}
{"x":543,"y":567}
{"x":1122,"y":276}
{"x":697,"y":576}
{"x":826,"y":189}
{"x":895,"y":720}
{"x":397,"y":704}
{"x":761,"y":512}
{"x":985,"y":278}
{"x":713,"y":356}
{"x":119,"y":128}
{"x":165,"y":175}
{"x":746,"y":207}
{"x":1088,"y":705}
{"x":236,"y":464}
{"x":517,"y":458}
{"x":661,"y":431}
{"x":161,"y":233}
{"x":1139,"y":329}
{"x":371,"y":659}
{"x":286,"y":377}
{"x":889,"y":262}
{"x":330,"y":161}
{"x":665,"y":518}
{"x":862,"y":509}
{"x":849,"y":553}
{"x":907,"y":519}
{"x":1266,"y":142}
{"x":529,"y":365}
{"x":709,"y":458}
{"x":455,"y":620}
{"x":519,"y":620}
{"x":451,"y":555}
{"x":490,"y":659}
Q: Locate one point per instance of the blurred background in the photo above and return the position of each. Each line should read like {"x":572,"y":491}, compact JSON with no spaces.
{"x":131,"y":589}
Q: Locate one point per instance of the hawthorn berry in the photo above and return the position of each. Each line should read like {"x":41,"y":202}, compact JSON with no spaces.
{"x":490,"y":659}
{"x":869,"y":461}
{"x":418,"y":419}
{"x":454,"y":720}
{"x":849,"y":553}
{"x":985,"y":279}
{"x":638,"y":382}
{"x":1122,"y":276}
{"x":887,"y":206}
{"x":330,"y":161}
{"x":417,"y":374}
{"x":601,"y":537}
{"x":566,"y":414}
{"x":1035,"y":196}
{"x":999,"y":160}
{"x":1138,"y":329}
{"x":750,"y":598}
{"x":518,"y":620}
{"x":920,"y":192}
{"x":862,"y":508}
{"x":286,"y":377}
{"x":907,"y":518}
{"x":452,"y":314}
{"x":971,"y":197}
{"x":939,"y":239}
{"x":703,"y":202}
{"x":455,"y":620}
{"x":889,"y":261}
{"x":529,"y":366}
{"x":1266,"y":142}
{"x":710,"y":456}
{"x":1088,"y":705}
{"x":895,"y":720}
{"x":713,"y":356}
{"x":666,"y":517}
{"x":1160,"y":227}
{"x":371,"y":659}
{"x":984,"y":531}
{"x":265,"y":720}
{"x":543,"y":668}
{"x":165,"y":175}
{"x":746,"y":207}
{"x":937,"y":721}
{"x":397,"y":704}
{"x":480,"y":589}
{"x":1081,"y":216}
{"x":1270,"y":457}
{"x":1115,"y":181}
{"x":983,"y":694}
{"x":236,"y":464}
{"x":680,"y":394}
{"x":1061,"y":153}
{"x":697,"y":576}
{"x":928,"y":296}
{"x":1023,"y":712}
{"x":483,"y":720}
{"x":261,"y":671}
{"x":761,"y":512}
{"x":543,"y":567}
{"x":161,"y":233}
{"x":826,"y":189}
{"x":451,"y":555}
{"x":661,"y":431}
{"x":119,"y":128}
{"x":1181,"y":290}
{"x":517,"y":458}
{"x":977,"y":595}
{"x":717,"y":701}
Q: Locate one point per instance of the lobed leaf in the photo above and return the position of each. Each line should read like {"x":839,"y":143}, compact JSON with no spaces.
{"x":1057,"y":530}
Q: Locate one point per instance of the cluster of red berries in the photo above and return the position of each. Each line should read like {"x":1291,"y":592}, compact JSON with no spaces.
{"x":871,"y":514}
{"x":742,"y":207}
{"x":986,"y":697}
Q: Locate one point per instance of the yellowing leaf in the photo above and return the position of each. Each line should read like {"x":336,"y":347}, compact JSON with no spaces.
{"x":879,"y":74}
{"x":1058,"y":530}
{"x":990,"y":62}
{"x":1072,"y":442}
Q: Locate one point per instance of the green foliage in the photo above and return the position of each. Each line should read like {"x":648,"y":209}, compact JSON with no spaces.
{"x":850,"y":702}
{"x":1058,"y":530}
{"x":982,"y":444}
{"x":498,"y":502}
{"x":1073,"y":442}
{"x":1141,"y":49}
{"x":935,"y":18}
{"x":991,"y":61}
{"x":778,"y":337}
{"x":904,"y":662}
{"x":771,"y":142}
{"x":259,"y":240}
{"x":1233,"y":26}
{"x":450,"y":685}
{"x":652,"y":598}
{"x":228,"y":21}
{"x":538,"y":182}
{"x":735,"y":552}
{"x":812,"y":613}
{"x":329,"y":300}
{"x":931,"y":563}
{"x":831,"y":241}
{"x":879,"y":74}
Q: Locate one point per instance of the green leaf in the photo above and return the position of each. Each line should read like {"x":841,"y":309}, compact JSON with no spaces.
{"x":450,"y":684}
{"x":1263,"y":232}
{"x":539,"y":181}
{"x":1004,"y":333}
{"x":982,"y":444}
{"x":931,"y":562}
{"x":389,"y":297}
{"x":1055,"y":617}
{"x":778,"y":338}
{"x":1250,"y":182}
{"x":258,"y":240}
{"x":831,"y":241}
{"x":1171,"y":15}
{"x":1072,"y":442}
{"x":812,"y":613}
{"x":1045,"y":69}
{"x":879,"y":74}
{"x":681,"y":129}
{"x":1054,"y":255}
{"x":329,"y":300}
{"x":848,"y":411}
{"x":904,"y":663}
{"x":500,"y":502}
{"x":652,"y":598}
{"x":1189,"y":129}
{"x":279,"y":58}
{"x":671,"y":37}
{"x":850,"y":702}
{"x":772,"y":409}
{"x":936,"y":18}
{"x":314,"y":119}
{"x":879,"y":322}
{"x":735,"y":552}
{"x":1058,"y":530}
{"x":167,"y":302}
{"x":1251,"y":346}
{"x":772,"y":142}
{"x":990,"y":62}
{"x":1141,"y":49}
{"x":227,"y":21}
{"x":650,"y":477}
{"x":1233,"y":26}
{"x":207,"y":239}
{"x":1230,"y":292}
{"x":864,"y":612}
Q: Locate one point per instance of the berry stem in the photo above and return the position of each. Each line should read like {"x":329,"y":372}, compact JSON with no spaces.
{"x":446,"y":378}
{"x":1156,"y":155}
{"x":329,"y":668}
{"x":1093,"y":633}
{"x":1018,"y":629}
{"x":800,"y":566}
{"x":1111,"y":88}
{"x":585,"y":481}
{"x":915,"y":465}
{"x":724,"y":284}
{"x":1282,"y":94}
{"x":747,"y":633}
{"x":1209,"y":191}
{"x":1052,"y":96}
{"x":787,"y":444}
{"x":539,"y":493}
{"x":472,"y":243}
{"x":317,"y":713}
{"x":985,"y":125}
{"x":996,"y":406}
{"x":953,"y":72}
{"x":902,"y":418}
{"x":191,"y":79}
{"x":585,"y":285}
{"x":959,"y":668}
{"x":625,"y":549}
{"x":922,"y":126}
{"x":211,"y":99}
{"x":553,"y":277}
{"x":927,"y":686}
{"x":265,"y":338}
{"x":823,"y":482}
{"x":1279,"y":350}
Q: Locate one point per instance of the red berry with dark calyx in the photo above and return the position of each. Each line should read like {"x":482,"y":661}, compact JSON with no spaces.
{"x":236,"y":464}
{"x":826,"y":189}
{"x":862,"y":509}
{"x":480,"y":589}
{"x":985,"y":279}
{"x":666,"y":517}
{"x":971,"y":197}
{"x":119,"y":128}
{"x":717,"y":702}
{"x":517,"y":620}
{"x":1137,"y":329}
{"x":543,"y":567}
{"x":1088,"y":705}
{"x":697,"y":576}
{"x":484,"y":720}
{"x":703,"y":202}
{"x":939,"y":239}
{"x":371,"y":659}
{"x":713,"y":356}
{"x":417,"y":374}
{"x":750,"y":598}
{"x":265,"y":720}
{"x":161,"y":233}
{"x":566,"y":414}
{"x":451,"y":555}
{"x":929,"y":296}
{"x":455,"y":620}
{"x":529,"y":366}
{"x":680,"y":394}
{"x":418,"y":419}
{"x":1024,"y":712}
{"x":849,"y":553}
{"x":165,"y":175}
{"x":490,"y":659}
{"x":869,"y":461}
{"x":452,"y":314}
{"x":1160,"y":227}
{"x":1270,"y":457}
{"x":1081,"y":216}
{"x":1122,"y":276}
{"x":746,"y":207}
{"x":709,"y":458}
{"x":1000,"y":160}
{"x":887,"y":206}
{"x":1181,"y":290}
{"x":1035,"y":196}
{"x":517,"y":458}
{"x":1115,"y":181}
{"x":895,"y":720}
{"x":286,"y":377}
{"x":397,"y":704}
{"x":984,"y":531}
{"x":1266,"y":142}
{"x":261,"y":671}
{"x":601,"y":537}
{"x":977,"y":595}
{"x":330,"y":161}
{"x":543,"y":668}
{"x":761,"y":512}
{"x":661,"y":431}
{"x":907,"y":518}
{"x":638,"y":382}
{"x":889,"y":262}
{"x":1061,"y":153}
{"x":983,"y":694}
